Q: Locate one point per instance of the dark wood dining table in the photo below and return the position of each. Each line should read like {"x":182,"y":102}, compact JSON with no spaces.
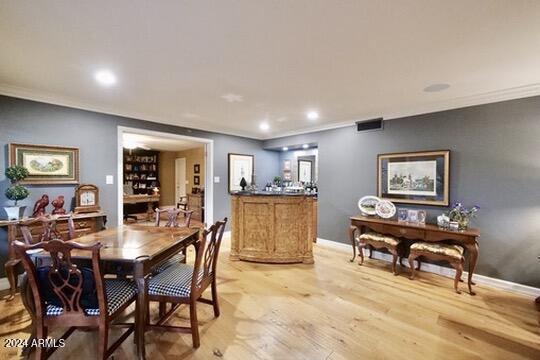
{"x":136,"y":249}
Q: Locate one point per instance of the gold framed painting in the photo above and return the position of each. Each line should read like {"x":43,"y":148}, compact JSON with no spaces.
{"x":421,"y":177}
{"x":46,"y":164}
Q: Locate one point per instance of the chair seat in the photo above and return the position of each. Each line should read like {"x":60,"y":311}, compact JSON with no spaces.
{"x":372,"y":236}
{"x":119,"y":292}
{"x":173,"y":281}
{"x":176,"y":259}
{"x":454,"y":251}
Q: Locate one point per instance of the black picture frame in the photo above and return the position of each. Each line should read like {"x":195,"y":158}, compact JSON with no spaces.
{"x":196,"y":180}
{"x":409,"y":188}
{"x":196,"y":168}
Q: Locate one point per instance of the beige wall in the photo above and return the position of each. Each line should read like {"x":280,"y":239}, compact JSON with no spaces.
{"x":167,"y":172}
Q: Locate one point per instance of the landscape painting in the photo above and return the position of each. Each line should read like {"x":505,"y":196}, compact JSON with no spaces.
{"x":415,"y":177}
{"x":412,"y":178}
{"x":46,"y":164}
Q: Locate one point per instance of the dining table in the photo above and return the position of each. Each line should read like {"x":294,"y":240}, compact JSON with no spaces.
{"x":132,"y":250}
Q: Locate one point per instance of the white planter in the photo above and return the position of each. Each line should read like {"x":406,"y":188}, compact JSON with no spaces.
{"x":15,"y":212}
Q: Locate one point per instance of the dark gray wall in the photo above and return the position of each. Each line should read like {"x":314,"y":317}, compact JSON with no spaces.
{"x":96,"y":136}
{"x":494,"y":163}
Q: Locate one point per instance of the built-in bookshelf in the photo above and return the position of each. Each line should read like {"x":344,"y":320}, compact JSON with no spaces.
{"x":141,"y":170}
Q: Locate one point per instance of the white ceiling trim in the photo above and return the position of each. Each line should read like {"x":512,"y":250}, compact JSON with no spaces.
{"x":459,"y":102}
{"x":35,"y":95}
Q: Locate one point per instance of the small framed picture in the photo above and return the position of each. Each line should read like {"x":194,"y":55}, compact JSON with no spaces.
{"x":422,"y":217}
{"x":196,"y":180}
{"x":197,"y":168}
{"x":402,"y":215}
{"x":412,"y":216}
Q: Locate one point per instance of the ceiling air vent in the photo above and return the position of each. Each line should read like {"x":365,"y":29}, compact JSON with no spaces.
{"x":369,"y":125}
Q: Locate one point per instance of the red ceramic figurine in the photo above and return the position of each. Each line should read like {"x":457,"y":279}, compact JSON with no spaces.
{"x":40,"y":205}
{"x":58,"y":204}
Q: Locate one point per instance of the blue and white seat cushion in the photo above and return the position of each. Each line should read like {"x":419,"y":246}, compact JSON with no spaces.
{"x":176,"y":259}
{"x":173,"y":281}
{"x":118,"y":292}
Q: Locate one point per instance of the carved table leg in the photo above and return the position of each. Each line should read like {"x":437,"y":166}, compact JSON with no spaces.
{"x":352,"y":232}
{"x":473,"y":258}
{"x":12,"y":277}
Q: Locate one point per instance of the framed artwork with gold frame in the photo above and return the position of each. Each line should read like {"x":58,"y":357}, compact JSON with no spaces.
{"x":46,"y":164}
{"x":421,"y":177}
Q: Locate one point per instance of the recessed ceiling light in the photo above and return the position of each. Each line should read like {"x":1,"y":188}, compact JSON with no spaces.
{"x":285,"y":148}
{"x":305,"y":146}
{"x":436,"y":87}
{"x":264,"y":126}
{"x":105,"y":77}
{"x":312,"y":115}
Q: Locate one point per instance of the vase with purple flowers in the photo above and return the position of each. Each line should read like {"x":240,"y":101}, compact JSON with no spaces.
{"x":462,"y":215}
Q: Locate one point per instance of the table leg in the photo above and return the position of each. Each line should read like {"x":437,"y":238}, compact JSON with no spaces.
{"x":352,"y":232}
{"x":149,"y":211}
{"x":12,"y":277}
{"x":473,"y":258}
{"x":140,"y":309}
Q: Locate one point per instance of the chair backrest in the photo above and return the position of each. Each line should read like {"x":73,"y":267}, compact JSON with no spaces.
{"x":49,"y":230}
{"x":172,"y":217}
{"x":63,"y":277}
{"x":208,"y":246}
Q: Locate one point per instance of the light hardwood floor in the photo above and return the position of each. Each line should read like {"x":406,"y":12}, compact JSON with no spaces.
{"x":333,"y":309}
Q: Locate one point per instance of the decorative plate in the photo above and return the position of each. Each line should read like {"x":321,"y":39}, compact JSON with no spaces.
{"x":385,"y":209}
{"x":367,"y":205}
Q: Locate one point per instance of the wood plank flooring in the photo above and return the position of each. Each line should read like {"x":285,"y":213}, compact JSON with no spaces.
{"x":333,"y":309}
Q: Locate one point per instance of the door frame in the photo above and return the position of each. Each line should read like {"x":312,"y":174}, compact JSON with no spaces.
{"x":208,"y":163}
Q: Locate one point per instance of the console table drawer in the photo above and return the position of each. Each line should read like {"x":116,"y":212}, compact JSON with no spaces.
{"x":404,"y":232}
{"x":379,"y":228}
{"x":440,"y":235}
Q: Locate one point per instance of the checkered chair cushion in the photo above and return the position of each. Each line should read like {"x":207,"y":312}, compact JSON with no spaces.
{"x":173,"y":281}
{"x":372,"y":236}
{"x":176,"y":259}
{"x":118,"y":291}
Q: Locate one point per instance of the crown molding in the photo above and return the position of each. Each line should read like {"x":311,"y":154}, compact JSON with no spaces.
{"x":518,"y":92}
{"x":28,"y":94}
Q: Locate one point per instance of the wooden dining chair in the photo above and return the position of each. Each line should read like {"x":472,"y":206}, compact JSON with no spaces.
{"x":48,"y":232}
{"x":172,"y":217}
{"x":65,"y":295}
{"x":185,"y":284}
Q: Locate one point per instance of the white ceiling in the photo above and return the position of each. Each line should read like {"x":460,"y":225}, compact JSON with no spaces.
{"x":159,"y":143}
{"x":181,"y":62}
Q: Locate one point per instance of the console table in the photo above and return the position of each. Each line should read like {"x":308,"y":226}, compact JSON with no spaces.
{"x":84,"y":224}
{"x":428,"y":232}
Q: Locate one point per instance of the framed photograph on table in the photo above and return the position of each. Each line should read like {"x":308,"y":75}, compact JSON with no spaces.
{"x":414,"y":177}
{"x":304,"y":171}
{"x":46,"y":164}
{"x":240,"y":166}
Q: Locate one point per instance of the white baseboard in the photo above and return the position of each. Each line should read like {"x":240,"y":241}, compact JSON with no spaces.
{"x":444,"y":271}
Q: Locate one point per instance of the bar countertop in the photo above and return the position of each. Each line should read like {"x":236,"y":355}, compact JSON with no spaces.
{"x":271,"y":193}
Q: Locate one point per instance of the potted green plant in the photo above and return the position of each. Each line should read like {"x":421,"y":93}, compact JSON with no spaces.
{"x":277,"y":180}
{"x":16,"y":191}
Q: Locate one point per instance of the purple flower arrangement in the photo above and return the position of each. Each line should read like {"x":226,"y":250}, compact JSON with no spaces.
{"x":462,"y":214}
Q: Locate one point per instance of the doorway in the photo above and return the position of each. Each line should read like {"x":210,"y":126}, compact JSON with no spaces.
{"x":180,"y":177}
{"x":184,"y":166}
